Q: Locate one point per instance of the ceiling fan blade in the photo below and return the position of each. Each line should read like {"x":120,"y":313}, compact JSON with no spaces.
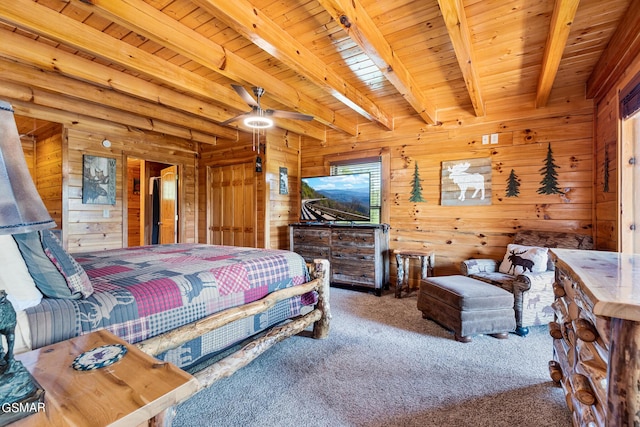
{"x":233,"y":119}
{"x":246,"y":97}
{"x":289,"y":115}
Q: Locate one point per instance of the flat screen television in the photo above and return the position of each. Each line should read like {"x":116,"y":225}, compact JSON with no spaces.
{"x":336,"y":198}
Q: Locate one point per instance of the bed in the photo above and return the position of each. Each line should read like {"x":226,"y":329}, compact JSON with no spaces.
{"x":181,"y":303}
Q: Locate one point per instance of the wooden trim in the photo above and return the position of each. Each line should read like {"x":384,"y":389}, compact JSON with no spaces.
{"x":622,"y":51}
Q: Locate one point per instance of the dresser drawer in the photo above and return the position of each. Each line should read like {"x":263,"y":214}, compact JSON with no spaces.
{"x":353,"y":273}
{"x":310,"y":252}
{"x":360,"y":239}
{"x":311,"y":237}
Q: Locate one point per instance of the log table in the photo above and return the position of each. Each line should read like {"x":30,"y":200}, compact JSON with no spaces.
{"x":596,"y":331}
{"x":403,"y":256}
{"x":135,"y":390}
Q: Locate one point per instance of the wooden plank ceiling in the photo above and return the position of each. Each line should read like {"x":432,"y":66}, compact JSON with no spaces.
{"x":168,"y":65}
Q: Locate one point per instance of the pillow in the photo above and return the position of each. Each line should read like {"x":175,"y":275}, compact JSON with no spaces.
{"x":54,"y":271}
{"x":520,"y":259}
{"x":15,"y":278}
{"x":45,"y":274}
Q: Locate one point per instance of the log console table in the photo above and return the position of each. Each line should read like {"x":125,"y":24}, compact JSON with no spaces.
{"x":596,"y":333}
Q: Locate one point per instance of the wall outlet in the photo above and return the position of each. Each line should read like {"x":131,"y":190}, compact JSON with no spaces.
{"x":105,"y":213}
{"x":494,"y":138}
{"x":485,"y":139}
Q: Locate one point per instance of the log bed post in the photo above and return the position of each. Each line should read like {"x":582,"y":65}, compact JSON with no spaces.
{"x":321,"y":271}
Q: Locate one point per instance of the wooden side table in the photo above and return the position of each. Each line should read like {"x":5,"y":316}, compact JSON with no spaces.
{"x":130,"y":392}
{"x":403,"y":256}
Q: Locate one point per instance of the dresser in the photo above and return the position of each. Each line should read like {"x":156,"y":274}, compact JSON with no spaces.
{"x":358,"y":253}
{"x":596,"y":331}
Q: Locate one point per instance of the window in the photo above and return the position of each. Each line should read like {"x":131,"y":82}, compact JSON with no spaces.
{"x":372,"y":165}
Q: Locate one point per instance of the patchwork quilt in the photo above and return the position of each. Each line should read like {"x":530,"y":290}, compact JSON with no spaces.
{"x":144,"y":291}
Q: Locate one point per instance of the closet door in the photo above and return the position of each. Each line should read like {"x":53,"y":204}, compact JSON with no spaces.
{"x":232,"y":205}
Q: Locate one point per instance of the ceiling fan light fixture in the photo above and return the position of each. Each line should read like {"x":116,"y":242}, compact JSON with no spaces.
{"x":258,"y":122}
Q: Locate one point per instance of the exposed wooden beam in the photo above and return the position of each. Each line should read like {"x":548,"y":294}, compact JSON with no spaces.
{"x":622,"y":50}
{"x":56,"y":26}
{"x":28,"y":51}
{"x":44,"y":21}
{"x":57,"y":101}
{"x":362,"y":30}
{"x":456,"y":23}
{"x":96,"y":126}
{"x":245,"y":19}
{"x":564,"y":12}
{"x":153,"y":24}
{"x":154,"y":117}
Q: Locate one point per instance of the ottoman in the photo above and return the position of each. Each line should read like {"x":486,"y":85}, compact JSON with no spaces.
{"x":467,"y":306}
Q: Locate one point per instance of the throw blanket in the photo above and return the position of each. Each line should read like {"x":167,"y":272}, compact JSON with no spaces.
{"x":145,"y":291}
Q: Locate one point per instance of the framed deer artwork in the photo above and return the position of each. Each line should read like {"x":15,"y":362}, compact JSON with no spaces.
{"x":466,"y":182}
{"x":98,"y":180}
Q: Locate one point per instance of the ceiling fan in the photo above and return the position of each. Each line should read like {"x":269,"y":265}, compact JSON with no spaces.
{"x":258,"y":118}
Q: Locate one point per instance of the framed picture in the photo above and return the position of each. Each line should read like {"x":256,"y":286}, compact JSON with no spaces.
{"x":98,"y":180}
{"x":284,"y":181}
{"x":466,"y":182}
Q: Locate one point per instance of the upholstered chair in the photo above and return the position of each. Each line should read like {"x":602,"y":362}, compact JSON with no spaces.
{"x":531,"y":285}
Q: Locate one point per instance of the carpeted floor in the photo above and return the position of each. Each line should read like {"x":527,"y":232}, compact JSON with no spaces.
{"x":383,"y":365}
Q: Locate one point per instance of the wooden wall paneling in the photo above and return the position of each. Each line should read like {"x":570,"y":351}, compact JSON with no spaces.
{"x":458,"y":233}
{"x":96,"y":227}
{"x":606,"y":203}
{"x":608,"y":137}
{"x":29,"y":151}
{"x":283,"y":150}
{"x":49,"y":172}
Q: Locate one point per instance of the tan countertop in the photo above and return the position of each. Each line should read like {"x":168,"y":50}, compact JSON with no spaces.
{"x":611,"y":279}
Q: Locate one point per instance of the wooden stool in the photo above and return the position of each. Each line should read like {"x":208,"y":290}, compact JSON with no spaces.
{"x":427,"y":261}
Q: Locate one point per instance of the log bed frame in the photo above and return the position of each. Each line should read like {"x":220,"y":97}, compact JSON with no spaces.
{"x":320,"y":318}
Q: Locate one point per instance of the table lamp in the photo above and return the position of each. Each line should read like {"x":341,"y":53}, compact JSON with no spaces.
{"x":21,"y":211}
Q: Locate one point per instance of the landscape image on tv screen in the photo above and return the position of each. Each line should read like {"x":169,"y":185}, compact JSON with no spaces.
{"x":336,"y":198}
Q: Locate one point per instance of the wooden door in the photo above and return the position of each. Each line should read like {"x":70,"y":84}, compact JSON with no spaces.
{"x":232,"y":205}
{"x":169,"y":205}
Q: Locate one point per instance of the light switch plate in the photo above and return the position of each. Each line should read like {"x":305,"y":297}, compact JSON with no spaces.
{"x":485,"y":139}
{"x":494,"y":138}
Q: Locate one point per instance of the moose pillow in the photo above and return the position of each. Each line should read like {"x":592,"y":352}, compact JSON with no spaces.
{"x":521,"y":259}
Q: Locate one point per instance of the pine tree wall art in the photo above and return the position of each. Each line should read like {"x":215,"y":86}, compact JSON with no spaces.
{"x":549,"y":183}
{"x":416,"y":187}
{"x":513,"y":185}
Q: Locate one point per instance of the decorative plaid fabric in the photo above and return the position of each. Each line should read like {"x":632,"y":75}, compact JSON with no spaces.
{"x":76,"y":278}
{"x":145,"y":291}
{"x":55,"y":272}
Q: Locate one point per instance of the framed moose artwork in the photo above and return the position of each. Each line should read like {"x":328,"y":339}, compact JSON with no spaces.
{"x":466,"y":182}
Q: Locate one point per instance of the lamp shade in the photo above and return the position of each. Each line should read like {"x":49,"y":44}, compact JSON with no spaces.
{"x":21,"y":208}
